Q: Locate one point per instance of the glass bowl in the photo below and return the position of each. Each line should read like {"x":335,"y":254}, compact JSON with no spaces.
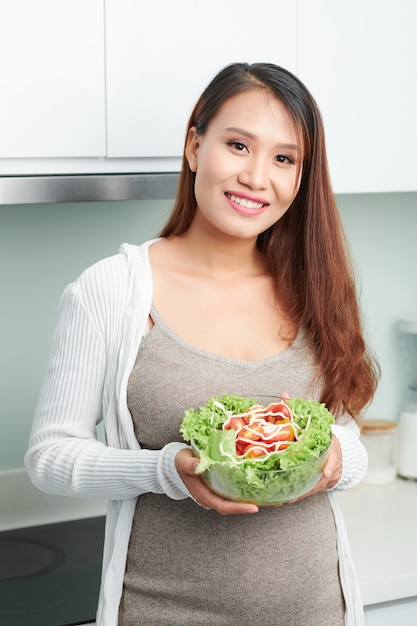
{"x":251,"y":484}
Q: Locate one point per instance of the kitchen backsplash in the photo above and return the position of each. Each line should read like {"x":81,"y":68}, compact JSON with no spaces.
{"x":45,"y":246}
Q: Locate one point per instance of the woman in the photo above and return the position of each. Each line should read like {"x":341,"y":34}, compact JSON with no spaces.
{"x":247,"y":291}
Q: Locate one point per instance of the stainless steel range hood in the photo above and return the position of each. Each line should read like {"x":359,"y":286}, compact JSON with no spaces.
{"x":87,"y":188}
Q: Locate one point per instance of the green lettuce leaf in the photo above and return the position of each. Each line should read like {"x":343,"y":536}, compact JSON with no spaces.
{"x":198,"y":425}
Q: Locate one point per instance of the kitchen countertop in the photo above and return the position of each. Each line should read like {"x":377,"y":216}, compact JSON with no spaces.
{"x":23,"y":505}
{"x":381,"y":522}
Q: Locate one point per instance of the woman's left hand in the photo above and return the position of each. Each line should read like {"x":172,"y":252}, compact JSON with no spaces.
{"x":332,"y":471}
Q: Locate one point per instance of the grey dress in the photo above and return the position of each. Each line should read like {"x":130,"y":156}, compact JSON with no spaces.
{"x":187,"y":565}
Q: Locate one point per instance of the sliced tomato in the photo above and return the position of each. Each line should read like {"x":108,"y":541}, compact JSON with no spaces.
{"x":252,"y":411}
{"x":252,"y":432}
{"x":235,"y":423}
{"x":281,"y":445}
{"x":286,"y":433}
{"x":279,"y":407}
{"x":240,"y":447}
{"x":254,"y":450}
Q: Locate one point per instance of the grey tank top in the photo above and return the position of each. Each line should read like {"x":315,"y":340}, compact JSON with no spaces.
{"x":187,"y":565}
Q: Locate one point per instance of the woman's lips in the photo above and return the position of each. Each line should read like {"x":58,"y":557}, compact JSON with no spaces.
{"x":245,"y":204}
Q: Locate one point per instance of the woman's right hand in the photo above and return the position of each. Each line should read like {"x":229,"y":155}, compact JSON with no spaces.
{"x":186,"y":465}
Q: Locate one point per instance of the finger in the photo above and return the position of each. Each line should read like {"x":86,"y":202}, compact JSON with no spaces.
{"x":227,"y":507}
{"x":333,"y":467}
{"x":187,"y":464}
{"x":329,"y":470}
{"x":210,"y":500}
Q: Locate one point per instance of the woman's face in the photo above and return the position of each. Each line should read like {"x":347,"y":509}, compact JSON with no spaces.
{"x":247,"y":165}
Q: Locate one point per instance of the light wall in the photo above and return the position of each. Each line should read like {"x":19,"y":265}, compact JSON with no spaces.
{"x":382,"y":231}
{"x":43,"y":247}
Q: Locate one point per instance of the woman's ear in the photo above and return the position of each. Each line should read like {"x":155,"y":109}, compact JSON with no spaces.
{"x":191,"y":148}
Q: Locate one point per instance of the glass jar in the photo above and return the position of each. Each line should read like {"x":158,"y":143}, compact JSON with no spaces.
{"x":379,"y":439}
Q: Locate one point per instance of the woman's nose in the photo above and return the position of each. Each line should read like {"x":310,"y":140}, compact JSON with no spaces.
{"x":255,"y":173}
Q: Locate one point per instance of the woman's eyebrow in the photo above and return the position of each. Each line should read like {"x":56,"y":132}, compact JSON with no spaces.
{"x":241,"y":131}
{"x":246,"y":133}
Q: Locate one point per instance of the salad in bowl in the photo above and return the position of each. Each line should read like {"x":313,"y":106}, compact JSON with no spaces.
{"x":261,"y":454}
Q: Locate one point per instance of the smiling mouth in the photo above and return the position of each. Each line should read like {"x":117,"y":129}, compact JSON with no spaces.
{"x":244,"y":202}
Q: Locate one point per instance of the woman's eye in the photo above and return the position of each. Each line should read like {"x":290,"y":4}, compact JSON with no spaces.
{"x":282,"y":158}
{"x":238,"y":145}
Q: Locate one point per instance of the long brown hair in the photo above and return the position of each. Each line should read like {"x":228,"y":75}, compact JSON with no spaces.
{"x":305,"y":252}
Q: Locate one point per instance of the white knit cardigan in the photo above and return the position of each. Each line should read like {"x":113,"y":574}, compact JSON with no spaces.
{"x":102,"y":318}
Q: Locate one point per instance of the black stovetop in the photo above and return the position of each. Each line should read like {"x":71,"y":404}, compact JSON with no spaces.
{"x":50,"y":574}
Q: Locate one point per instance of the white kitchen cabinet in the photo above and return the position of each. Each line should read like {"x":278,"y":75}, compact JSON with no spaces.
{"x":160,"y":55}
{"x":52,"y":79}
{"x":107,"y":86}
{"x":358,"y":57}
{"x":400,"y":613}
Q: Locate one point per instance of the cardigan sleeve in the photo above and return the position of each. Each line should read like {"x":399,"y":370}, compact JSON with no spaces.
{"x":354,"y":456}
{"x":64,"y":455}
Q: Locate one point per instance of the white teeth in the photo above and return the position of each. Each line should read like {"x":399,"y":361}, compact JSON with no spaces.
{"x":248,"y":204}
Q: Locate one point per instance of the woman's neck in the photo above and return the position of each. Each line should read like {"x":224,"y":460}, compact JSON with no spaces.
{"x":219,"y":256}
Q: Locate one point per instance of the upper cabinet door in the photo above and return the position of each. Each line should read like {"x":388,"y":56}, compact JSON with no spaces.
{"x":161,"y":55}
{"x":359,"y":60}
{"x":52,"y":78}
